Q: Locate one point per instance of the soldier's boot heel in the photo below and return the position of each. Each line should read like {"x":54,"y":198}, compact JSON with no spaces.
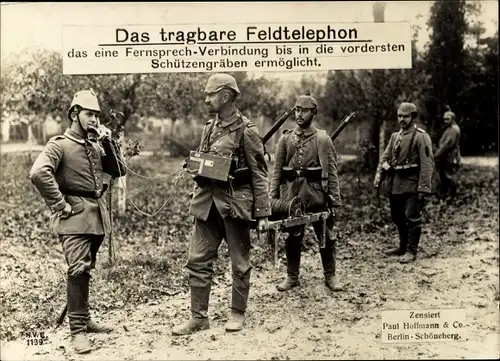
{"x":396,"y":251}
{"x":80,"y":343}
{"x":77,"y":312}
{"x":288,"y":284}
{"x":199,"y":308}
{"x":408,"y":257}
{"x":93,"y":327}
{"x":191,"y":326}
{"x":236,"y":321}
{"x":333,"y":283}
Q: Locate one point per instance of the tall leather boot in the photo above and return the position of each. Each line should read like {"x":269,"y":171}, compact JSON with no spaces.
{"x":403,"y":243}
{"x":241,"y":288}
{"x":92,"y":326}
{"x":77,"y":312}
{"x":414,"y":240}
{"x":328,"y":261}
{"x":293,"y":254}
{"x":199,"y":313}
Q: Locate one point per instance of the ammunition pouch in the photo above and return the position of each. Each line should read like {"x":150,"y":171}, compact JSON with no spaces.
{"x":312,"y":174}
{"x":241,"y":176}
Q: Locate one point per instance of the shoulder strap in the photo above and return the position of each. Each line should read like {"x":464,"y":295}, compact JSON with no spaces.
{"x":412,"y":143}
{"x":206,"y":137}
{"x":239,"y":152}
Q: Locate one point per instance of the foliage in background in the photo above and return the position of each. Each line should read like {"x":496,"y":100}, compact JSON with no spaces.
{"x":457,"y":68}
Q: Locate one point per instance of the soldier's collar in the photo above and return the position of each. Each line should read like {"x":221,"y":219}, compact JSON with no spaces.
{"x":409,"y":130}
{"x":305,"y":132}
{"x":74,"y":136}
{"x":226,"y":122}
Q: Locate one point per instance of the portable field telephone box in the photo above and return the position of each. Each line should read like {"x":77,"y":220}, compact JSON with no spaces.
{"x":209,"y":166}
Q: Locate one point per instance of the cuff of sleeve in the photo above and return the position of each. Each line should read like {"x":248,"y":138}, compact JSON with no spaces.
{"x":59,"y":206}
{"x":424,"y":189}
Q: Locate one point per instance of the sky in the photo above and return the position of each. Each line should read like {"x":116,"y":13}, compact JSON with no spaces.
{"x":28,"y":26}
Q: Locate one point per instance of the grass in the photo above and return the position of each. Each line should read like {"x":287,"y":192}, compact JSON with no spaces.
{"x":152,"y":251}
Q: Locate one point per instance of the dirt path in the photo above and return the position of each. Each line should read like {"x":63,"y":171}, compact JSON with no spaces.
{"x":310,"y":322}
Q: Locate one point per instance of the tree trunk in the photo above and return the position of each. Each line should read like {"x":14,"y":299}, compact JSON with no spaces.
{"x":371,"y":155}
{"x":6,"y":129}
{"x":382,"y":136}
{"x":31,"y":136}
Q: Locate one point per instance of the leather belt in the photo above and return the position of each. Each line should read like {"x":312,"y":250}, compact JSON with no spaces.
{"x":85,"y":194}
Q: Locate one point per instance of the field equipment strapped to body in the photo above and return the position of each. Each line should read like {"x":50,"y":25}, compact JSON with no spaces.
{"x":391,"y":167}
{"x":288,"y":214}
{"x":205,"y":166}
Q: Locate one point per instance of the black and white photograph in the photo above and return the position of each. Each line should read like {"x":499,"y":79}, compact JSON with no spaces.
{"x":249,"y":180}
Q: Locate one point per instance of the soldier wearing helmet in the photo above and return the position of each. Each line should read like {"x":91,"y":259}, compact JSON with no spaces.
{"x":305,"y":166}
{"x":70,"y":175}
{"x":225,"y":209}
{"x":405,"y":171}
{"x":448,"y":159}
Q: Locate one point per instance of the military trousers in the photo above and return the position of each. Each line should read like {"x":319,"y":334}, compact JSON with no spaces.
{"x":293,"y":248}
{"x":447,"y":178}
{"x":80,"y":252}
{"x":205,"y":241}
{"x":406,"y":212}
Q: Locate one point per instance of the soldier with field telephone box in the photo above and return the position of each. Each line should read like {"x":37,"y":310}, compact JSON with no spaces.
{"x":231,"y":191}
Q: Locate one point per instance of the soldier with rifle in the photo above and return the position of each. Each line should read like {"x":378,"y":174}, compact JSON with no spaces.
{"x":405,"y":174}
{"x":69,"y":174}
{"x":305,"y":166}
{"x":224,"y":205}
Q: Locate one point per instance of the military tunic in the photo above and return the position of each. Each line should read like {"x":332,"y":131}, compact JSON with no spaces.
{"x":302,"y":149}
{"x":448,"y":159}
{"x":398,"y":154}
{"x":224,"y":210}
{"x":413,"y":162}
{"x":71,"y":169}
{"x":296,"y":149}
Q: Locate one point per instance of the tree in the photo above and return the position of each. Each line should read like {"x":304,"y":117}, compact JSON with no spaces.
{"x":445,"y":60}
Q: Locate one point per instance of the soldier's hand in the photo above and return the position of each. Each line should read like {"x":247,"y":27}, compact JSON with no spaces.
{"x":67,"y":211}
{"x":376,"y":181}
{"x":263,"y":225}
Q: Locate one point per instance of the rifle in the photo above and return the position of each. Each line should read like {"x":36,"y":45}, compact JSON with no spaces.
{"x":299,"y":218}
{"x":279,"y":122}
{"x":342,"y":125}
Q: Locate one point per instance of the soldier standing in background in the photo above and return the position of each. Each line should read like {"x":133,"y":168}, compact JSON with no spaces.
{"x":448,"y":156}
{"x":225,"y":209}
{"x":306,"y":163}
{"x":408,"y":163}
{"x":68,"y":174}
